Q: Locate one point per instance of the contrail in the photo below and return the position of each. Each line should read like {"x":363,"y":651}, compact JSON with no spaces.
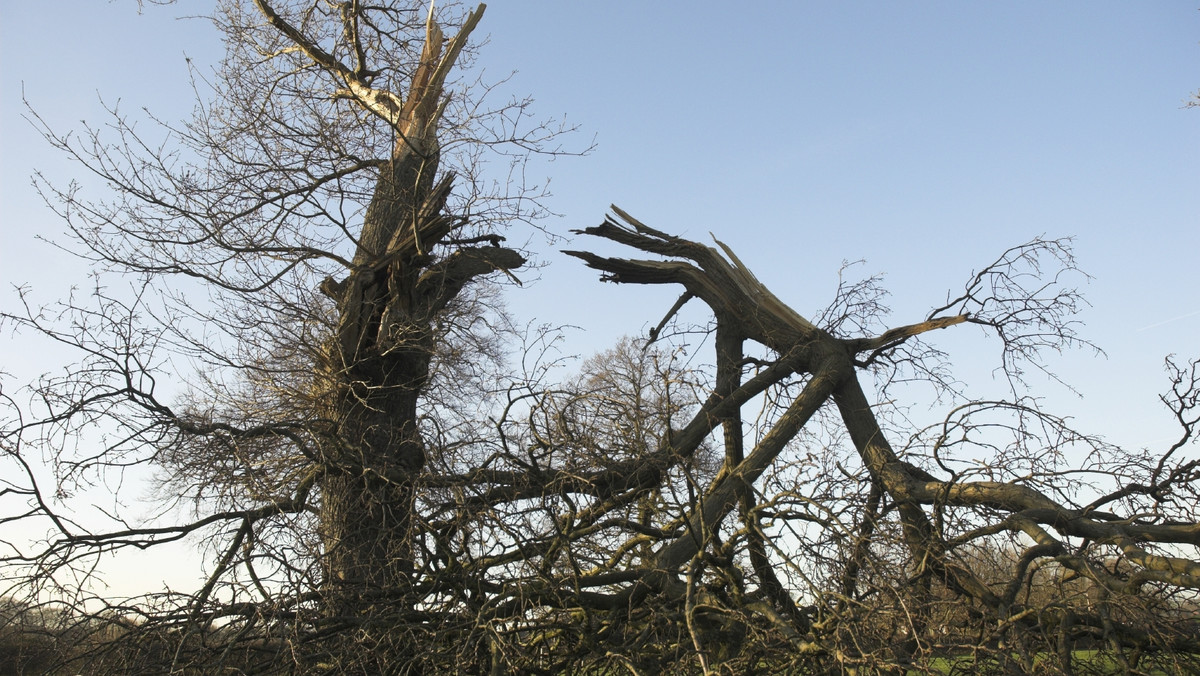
{"x":1168,"y":321}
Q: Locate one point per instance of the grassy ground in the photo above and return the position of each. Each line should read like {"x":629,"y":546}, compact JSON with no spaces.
{"x":1084,"y":662}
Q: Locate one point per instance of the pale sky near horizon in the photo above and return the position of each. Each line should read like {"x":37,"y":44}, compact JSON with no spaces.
{"x":923,"y":137}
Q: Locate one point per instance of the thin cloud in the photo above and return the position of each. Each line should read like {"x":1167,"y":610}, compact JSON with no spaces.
{"x":1168,"y":321}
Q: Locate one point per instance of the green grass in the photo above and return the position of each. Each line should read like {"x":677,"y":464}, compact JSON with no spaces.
{"x":1090,"y":662}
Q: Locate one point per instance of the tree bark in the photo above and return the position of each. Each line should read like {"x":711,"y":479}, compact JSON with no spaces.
{"x":380,"y":357}
{"x":745,"y":309}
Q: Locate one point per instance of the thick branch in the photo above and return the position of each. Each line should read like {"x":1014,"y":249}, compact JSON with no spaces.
{"x":441,"y":283}
{"x":722,"y":282}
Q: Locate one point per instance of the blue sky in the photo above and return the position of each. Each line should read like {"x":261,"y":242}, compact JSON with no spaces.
{"x":924,"y":137}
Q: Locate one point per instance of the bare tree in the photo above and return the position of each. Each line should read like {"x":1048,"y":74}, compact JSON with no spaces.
{"x":310,"y":242}
{"x":875,"y":536}
{"x":379,"y":491}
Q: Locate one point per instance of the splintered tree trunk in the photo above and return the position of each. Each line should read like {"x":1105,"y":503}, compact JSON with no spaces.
{"x":747,"y":310}
{"x":382,"y":358}
{"x":379,"y":359}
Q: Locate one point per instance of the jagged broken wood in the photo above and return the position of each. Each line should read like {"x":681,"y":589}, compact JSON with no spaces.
{"x":743,"y":307}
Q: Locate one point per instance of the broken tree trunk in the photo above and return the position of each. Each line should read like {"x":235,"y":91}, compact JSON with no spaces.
{"x":379,"y":360}
{"x":746,"y":310}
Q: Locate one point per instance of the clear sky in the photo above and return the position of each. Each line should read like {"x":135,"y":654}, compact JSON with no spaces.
{"x":924,"y":137}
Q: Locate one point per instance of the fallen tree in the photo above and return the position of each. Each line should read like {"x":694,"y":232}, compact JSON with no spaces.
{"x":886,"y":544}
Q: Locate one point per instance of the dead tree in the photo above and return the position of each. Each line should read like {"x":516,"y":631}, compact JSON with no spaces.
{"x":938,"y":513}
{"x":387,"y":308}
{"x":325,"y":160}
